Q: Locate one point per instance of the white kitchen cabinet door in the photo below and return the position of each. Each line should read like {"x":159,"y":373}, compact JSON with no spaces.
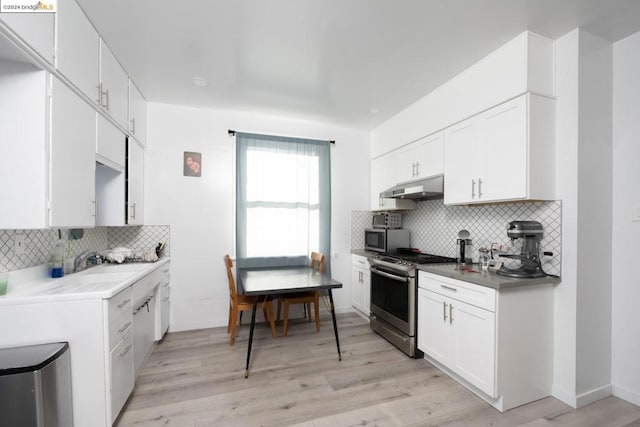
{"x":360,"y":284}
{"x":505,"y":153}
{"x":474,"y":334}
{"x":384,"y":176}
{"x":137,"y":114}
{"x":435,"y":336}
{"x":407,"y":162}
{"x":421,"y":159}
{"x":430,"y":156}
{"x":461,"y":162}
{"x":122,"y":375}
{"x":24,"y":105}
{"x":115,"y":86}
{"x":135,"y":184}
{"x":35,"y":29}
{"x":78,"y":48}
{"x":110,"y":144}
{"x":72,"y":159}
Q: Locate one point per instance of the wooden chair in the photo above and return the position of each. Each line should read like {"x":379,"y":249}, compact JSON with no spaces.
{"x":240,"y":303}
{"x":317,"y":264}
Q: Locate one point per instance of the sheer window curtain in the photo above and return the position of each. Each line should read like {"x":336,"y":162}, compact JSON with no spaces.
{"x":283,"y":200}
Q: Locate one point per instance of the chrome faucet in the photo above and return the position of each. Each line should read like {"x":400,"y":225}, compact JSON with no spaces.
{"x":81,"y":260}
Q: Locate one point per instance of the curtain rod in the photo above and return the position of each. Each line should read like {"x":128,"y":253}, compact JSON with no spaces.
{"x":233,"y":133}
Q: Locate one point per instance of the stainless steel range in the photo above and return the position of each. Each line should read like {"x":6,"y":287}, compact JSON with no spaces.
{"x":393,"y":297}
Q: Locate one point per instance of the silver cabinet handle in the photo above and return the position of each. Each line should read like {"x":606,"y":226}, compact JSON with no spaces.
{"x":417,"y":168}
{"x":106,"y":93}
{"x":450,"y":313}
{"x":444,"y":311}
{"x":124,"y":302}
{"x":133,"y":211}
{"x":413,"y":170}
{"x":124,"y":352}
{"x":124,"y":327}
{"x":473,"y":188}
{"x":449,"y":288}
{"x":94,"y":208}
{"x":133,"y":125}
{"x":479,"y":187}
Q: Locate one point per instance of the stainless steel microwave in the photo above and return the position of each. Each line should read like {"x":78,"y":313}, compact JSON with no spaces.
{"x":386,"y":240}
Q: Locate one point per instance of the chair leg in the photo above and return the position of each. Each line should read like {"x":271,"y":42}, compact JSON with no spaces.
{"x":286,"y":318}
{"x":271,"y":321}
{"x":229,"y":322}
{"x":308,"y":308}
{"x":279,"y":308}
{"x":234,"y":320}
{"x":316,"y":306}
{"x":240,"y":318}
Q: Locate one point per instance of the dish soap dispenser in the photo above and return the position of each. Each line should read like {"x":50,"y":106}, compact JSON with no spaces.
{"x":57,"y":258}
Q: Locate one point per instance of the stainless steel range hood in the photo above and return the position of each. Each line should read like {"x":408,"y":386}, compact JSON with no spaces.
{"x":429,"y":188}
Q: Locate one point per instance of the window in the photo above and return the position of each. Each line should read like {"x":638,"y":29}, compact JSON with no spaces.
{"x":283,"y":200}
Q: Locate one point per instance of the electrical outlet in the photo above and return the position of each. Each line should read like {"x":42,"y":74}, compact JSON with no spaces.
{"x":18,"y":244}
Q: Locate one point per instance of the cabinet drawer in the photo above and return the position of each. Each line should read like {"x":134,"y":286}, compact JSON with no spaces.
{"x":476,"y":295}
{"x":165,"y":290}
{"x":141,"y":288}
{"x":360,"y":261}
{"x":122,"y":378}
{"x":120,"y":305}
{"x":119,"y":327}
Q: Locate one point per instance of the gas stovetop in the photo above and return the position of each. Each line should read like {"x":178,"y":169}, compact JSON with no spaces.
{"x":408,"y":262}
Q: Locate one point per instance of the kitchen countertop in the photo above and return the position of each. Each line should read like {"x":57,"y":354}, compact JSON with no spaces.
{"x":32,"y":285}
{"x":363,"y":252}
{"x":484,"y":278}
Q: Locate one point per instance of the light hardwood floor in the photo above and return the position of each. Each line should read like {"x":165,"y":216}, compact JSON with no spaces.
{"x":196,"y":379}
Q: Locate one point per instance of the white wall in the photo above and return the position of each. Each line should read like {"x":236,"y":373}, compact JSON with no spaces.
{"x":626,"y":234}
{"x":200,"y":211}
{"x":593,"y":367}
{"x":565,"y":300}
{"x":582,"y":331}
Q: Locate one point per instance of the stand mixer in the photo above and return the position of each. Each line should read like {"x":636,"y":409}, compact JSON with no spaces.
{"x":530,"y":266}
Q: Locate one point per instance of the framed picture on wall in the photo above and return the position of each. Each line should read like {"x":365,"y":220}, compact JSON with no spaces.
{"x":192,"y":164}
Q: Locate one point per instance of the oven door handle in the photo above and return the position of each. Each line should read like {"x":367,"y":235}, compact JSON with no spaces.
{"x":390,"y":276}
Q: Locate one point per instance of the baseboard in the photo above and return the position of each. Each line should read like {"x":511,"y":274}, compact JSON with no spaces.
{"x":628,"y":395}
{"x":583,"y":399}
{"x":565,"y":397}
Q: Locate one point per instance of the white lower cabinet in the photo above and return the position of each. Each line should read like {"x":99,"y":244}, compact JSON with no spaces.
{"x":122,"y":376}
{"x":497,"y":343}
{"x":163,"y":302}
{"x":360,"y":284}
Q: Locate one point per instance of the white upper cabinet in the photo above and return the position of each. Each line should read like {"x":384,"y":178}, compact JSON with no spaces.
{"x":137,"y":114}
{"x":135,"y":184}
{"x":384,"y":176}
{"x":114,"y":86}
{"x":78,"y":48}
{"x":72,"y":175}
{"x":23,"y":145}
{"x":35,"y":29}
{"x":503,"y":154}
{"x":421,"y":159}
{"x":524,"y":64}
{"x":110,"y":144}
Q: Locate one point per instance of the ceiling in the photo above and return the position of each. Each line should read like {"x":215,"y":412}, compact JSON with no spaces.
{"x":349,"y":62}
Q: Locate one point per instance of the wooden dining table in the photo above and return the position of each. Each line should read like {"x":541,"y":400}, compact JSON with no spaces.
{"x":262,"y":282}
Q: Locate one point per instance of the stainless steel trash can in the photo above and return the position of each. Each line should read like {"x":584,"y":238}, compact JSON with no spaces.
{"x":35,"y":386}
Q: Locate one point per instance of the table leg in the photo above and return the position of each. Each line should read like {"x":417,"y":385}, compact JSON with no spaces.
{"x":335,"y":325}
{"x":253,"y":323}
